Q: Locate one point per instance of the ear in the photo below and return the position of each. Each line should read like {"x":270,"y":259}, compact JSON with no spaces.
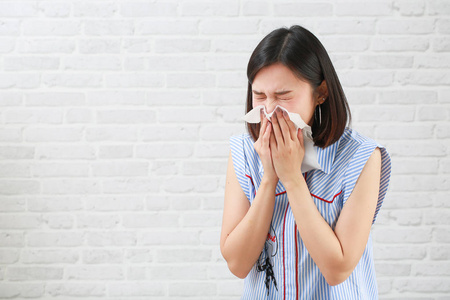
{"x":322,"y":92}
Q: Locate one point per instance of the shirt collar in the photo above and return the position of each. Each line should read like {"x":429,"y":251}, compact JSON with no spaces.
{"x":326,"y":156}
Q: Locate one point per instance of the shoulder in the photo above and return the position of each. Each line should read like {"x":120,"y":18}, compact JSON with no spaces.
{"x":353,"y":139}
{"x":243,"y":140}
{"x":355,"y":149}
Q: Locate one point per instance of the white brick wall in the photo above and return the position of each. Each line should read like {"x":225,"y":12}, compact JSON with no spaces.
{"x":115,"y":117}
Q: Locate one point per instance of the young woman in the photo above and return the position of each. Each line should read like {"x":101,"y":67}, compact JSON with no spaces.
{"x":295,"y":235}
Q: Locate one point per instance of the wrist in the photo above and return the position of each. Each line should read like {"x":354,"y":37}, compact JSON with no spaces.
{"x":270,"y":181}
{"x":293,"y":182}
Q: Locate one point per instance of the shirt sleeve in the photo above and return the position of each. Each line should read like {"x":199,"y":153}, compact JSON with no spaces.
{"x":240,"y":163}
{"x":356,"y":165}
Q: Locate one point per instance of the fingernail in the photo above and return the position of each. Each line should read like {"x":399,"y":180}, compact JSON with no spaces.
{"x":285,"y":113}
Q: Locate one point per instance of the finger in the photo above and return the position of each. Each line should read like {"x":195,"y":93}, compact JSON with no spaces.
{"x":262,"y":128}
{"x":284,"y":126}
{"x":273,"y":141}
{"x":292,"y":127}
{"x":300,"y":137}
{"x":266,"y":136}
{"x":276,"y":129}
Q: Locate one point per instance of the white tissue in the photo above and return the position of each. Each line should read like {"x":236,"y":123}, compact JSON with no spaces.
{"x":310,"y":161}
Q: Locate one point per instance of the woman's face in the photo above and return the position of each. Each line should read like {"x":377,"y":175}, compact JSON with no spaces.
{"x":276,"y":85}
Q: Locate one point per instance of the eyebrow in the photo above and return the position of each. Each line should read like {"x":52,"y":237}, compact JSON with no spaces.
{"x":276,"y":93}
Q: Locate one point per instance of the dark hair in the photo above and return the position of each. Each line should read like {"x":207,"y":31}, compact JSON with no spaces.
{"x":301,"y":51}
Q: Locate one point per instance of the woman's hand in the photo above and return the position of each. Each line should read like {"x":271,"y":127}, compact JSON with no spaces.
{"x":262,"y":147}
{"x":287,"y":148}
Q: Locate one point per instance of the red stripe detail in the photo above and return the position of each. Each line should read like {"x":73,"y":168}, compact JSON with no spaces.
{"x":284,"y":246}
{"x":327,"y":201}
{"x":251,"y":179}
{"x":280,"y":193}
{"x":296,"y":263}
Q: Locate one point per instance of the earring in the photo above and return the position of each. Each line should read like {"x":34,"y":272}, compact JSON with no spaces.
{"x":320,"y":115}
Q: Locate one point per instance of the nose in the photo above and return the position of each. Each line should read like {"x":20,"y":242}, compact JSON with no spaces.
{"x":270,"y":106}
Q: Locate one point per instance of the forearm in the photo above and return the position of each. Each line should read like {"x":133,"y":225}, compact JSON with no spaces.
{"x":321,"y":241}
{"x":244,"y":244}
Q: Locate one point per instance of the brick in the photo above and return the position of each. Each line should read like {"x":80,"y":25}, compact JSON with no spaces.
{"x":179,"y":272}
{"x":9,"y":27}
{"x":97,"y":221}
{"x":164,"y":150}
{"x":45,"y":45}
{"x":441,"y":252}
{"x":136,"y":289}
{"x":51,"y":28}
{"x":115,"y":151}
{"x":410,"y":8}
{"x":385,"y":114}
{"x":18,"y":9}
{"x":24,"y":289}
{"x":34,"y":273}
{"x":19,"y":187}
{"x":55,"y":239}
{"x":404,"y":27}
{"x":114,"y":203}
{"x":191,"y":80}
{"x":138,"y":256}
{"x":408,"y":97}
{"x":54,"y":204}
{"x":303,"y":9}
{"x":95,"y":273}
{"x":403,"y":235}
{"x":178,"y":62}
{"x":393,"y":269}
{"x":399,"y":44}
{"x":9,"y":256}
{"x":171,"y":45}
{"x":92,"y":63}
{"x":74,"y":80}
{"x":209,"y":8}
{"x":382,"y":8}
{"x":345,"y":44}
{"x":441,"y":44}
{"x":12,"y":239}
{"x":75,"y":289}
{"x":124,"y":80}
{"x":385,"y":61}
{"x":109,"y":27}
{"x":111,"y":134}
{"x":438,"y":7}
{"x":170,"y":237}
{"x":255,"y":8}
{"x":94,"y":9}
{"x":191,"y":289}
{"x":130,"y":186}
{"x":49,"y":256}
{"x":59,"y":221}
{"x":60,"y":134}
{"x":416,"y":166}
{"x":237,"y":27}
{"x":111,"y":238}
{"x":8,"y":170}
{"x":19,"y":80}
{"x":70,"y":186}
{"x":167,"y":27}
{"x":187,"y":115}
{"x":6,"y":45}
{"x":16,"y":152}
{"x":22,"y":221}
{"x":95,"y":46}
{"x":55,"y":10}
{"x":422,"y":285}
{"x":126,"y":116}
{"x":148,"y":9}
{"x":170,"y":133}
{"x":14,"y":204}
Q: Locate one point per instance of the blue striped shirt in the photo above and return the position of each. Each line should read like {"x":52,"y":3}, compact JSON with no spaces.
{"x":296,"y":274}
